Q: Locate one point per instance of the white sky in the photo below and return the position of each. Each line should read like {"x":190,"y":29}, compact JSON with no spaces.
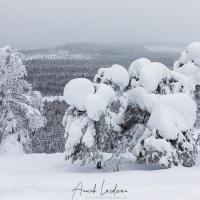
{"x":43,"y":23}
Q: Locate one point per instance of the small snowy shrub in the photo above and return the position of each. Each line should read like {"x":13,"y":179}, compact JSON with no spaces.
{"x":20,"y":106}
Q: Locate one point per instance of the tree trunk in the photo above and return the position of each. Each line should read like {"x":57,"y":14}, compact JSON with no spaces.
{"x":99,"y":165}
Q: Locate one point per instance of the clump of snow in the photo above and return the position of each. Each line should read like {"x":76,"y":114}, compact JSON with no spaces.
{"x":76,"y":91}
{"x":140,"y":97}
{"x":189,"y":62}
{"x":136,"y":66}
{"x":95,"y":106}
{"x":105,"y":92}
{"x":152,"y":74}
{"x":116,"y":74}
{"x":190,"y":70}
{"x":172,"y":114}
{"x":193,"y":51}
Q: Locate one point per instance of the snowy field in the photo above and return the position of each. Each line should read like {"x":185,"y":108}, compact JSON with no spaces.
{"x":50,"y":177}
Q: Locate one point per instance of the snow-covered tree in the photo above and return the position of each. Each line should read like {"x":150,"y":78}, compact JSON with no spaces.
{"x":89,"y":124}
{"x":142,"y":112}
{"x":20,"y":106}
{"x":151,"y":82}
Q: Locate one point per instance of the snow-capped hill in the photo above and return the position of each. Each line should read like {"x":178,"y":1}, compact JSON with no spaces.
{"x":59,"y":55}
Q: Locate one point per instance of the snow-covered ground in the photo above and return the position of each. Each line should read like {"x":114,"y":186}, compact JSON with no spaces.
{"x":50,"y":177}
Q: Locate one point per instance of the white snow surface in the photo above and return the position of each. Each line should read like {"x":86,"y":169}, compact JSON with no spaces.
{"x":50,"y":177}
{"x":95,"y":106}
{"x":76,"y":90}
{"x":10,"y":145}
{"x":172,"y":114}
{"x":117,"y":74}
{"x":190,"y":70}
{"x":136,"y":66}
{"x":105,"y":92}
{"x":152,"y":74}
{"x":140,"y":97}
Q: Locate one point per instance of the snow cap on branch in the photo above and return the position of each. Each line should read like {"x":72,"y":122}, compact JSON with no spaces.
{"x":136,"y":66}
{"x":172,"y":114}
{"x":115,"y":74}
{"x":76,"y":90}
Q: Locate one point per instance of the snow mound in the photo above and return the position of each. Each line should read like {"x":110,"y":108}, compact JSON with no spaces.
{"x":95,"y":106}
{"x":152,"y":74}
{"x":11,"y":146}
{"x":76,"y":91}
{"x":105,"y":92}
{"x":173,"y":114}
{"x":117,"y":74}
{"x":141,"y":98}
{"x":136,"y":66}
{"x":194,"y":52}
{"x":190,"y":70}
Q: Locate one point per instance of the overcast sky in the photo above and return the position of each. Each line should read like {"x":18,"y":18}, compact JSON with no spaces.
{"x":28,"y":24}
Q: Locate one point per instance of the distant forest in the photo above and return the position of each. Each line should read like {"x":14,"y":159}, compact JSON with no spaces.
{"x":50,"y":76}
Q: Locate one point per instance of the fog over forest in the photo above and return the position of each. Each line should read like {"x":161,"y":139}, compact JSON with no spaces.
{"x":36,"y":24}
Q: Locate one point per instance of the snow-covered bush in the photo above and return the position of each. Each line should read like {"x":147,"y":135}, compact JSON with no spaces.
{"x":167,"y":138}
{"x":20,"y":106}
{"x":89,"y":124}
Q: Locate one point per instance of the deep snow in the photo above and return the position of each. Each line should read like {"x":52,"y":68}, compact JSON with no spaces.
{"x":50,"y":177}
